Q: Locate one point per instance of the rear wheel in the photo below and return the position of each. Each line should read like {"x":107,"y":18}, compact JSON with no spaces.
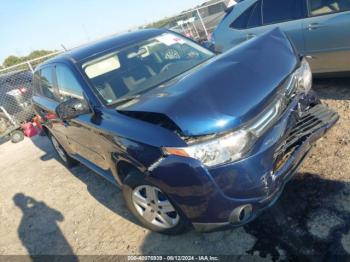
{"x":62,"y":154}
{"x":152,"y":207}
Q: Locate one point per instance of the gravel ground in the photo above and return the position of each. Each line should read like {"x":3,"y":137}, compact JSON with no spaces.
{"x":47,"y":209}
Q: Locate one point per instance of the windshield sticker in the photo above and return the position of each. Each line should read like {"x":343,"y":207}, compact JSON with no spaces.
{"x":102,"y":67}
{"x":170,"y":39}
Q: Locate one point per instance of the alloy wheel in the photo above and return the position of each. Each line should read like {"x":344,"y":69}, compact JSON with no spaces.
{"x":155,"y":207}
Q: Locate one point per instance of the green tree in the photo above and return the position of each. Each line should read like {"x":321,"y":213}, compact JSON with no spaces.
{"x":14,"y":60}
{"x":38,"y":53}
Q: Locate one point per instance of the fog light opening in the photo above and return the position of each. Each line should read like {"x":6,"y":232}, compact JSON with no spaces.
{"x":241,"y":214}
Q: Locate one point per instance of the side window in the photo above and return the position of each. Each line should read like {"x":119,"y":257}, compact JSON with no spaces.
{"x":242,"y":21}
{"x":67,"y":84}
{"x":255,"y":19}
{"x":277,"y":11}
{"x":46,"y":82}
{"x":249,"y":18}
{"x":36,"y":82}
{"x":323,"y":7}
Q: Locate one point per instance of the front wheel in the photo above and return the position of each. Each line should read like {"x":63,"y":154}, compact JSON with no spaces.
{"x":153,"y":208}
{"x":64,"y":157}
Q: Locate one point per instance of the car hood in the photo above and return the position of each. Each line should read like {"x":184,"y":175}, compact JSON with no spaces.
{"x":222,"y":93}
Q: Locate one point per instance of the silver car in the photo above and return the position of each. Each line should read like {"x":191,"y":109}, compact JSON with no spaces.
{"x":319,"y":29}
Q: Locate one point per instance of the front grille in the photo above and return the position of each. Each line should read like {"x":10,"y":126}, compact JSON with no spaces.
{"x":310,"y":122}
{"x":307,"y":124}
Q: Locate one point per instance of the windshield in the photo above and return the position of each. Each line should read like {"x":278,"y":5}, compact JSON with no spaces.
{"x":142,"y":66}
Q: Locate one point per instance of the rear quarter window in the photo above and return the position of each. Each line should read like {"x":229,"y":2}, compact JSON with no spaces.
{"x":251,"y":17}
{"x":36,"y":83}
{"x":46,"y":82}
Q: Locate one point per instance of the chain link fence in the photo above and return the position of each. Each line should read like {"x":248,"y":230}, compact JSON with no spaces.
{"x":16,"y":91}
{"x":197,"y":23}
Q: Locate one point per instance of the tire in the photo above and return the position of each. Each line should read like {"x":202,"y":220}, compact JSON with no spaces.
{"x":17,"y":136}
{"x":4,"y":123}
{"x":62,"y":154}
{"x":138,"y":200}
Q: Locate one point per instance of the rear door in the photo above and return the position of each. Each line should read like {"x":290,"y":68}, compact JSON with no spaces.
{"x":327,"y":35}
{"x":264,"y":15}
{"x":46,"y":100}
{"x":287,"y":15}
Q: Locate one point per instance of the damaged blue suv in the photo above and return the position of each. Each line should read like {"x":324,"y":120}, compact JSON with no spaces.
{"x":193,"y":138}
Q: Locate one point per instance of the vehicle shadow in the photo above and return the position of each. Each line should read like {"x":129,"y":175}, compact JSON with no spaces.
{"x":307,"y":223}
{"x":99,"y":188}
{"x":4,"y":140}
{"x":39,"y":231}
{"x":103,"y":191}
{"x":332,"y":88}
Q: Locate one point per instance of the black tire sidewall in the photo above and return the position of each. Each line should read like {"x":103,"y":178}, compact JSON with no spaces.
{"x":70,"y":162}
{"x":127,"y":189}
{"x":18,"y":133}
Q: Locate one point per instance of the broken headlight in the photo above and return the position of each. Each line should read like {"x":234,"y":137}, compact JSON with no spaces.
{"x":219,"y":150}
{"x":234,"y":146}
{"x":303,"y":77}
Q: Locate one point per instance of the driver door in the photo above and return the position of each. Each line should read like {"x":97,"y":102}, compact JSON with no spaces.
{"x":79,"y":132}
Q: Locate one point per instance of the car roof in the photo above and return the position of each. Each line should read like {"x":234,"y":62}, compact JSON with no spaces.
{"x":84,"y":52}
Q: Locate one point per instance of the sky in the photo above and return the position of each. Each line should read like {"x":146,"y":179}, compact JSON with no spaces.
{"x":28,"y":25}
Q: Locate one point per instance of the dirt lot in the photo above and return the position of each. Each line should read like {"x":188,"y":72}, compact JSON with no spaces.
{"x":47,"y":209}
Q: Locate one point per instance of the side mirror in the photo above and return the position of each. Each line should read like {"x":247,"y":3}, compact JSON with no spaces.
{"x":208,"y":45}
{"x":72,"y":108}
{"x":211,"y":46}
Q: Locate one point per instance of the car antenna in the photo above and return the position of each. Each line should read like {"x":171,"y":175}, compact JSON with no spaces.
{"x":64,"y":48}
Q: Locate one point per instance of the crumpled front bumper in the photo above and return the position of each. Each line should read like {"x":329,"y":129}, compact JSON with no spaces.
{"x":208,"y":197}
{"x":311,"y":126}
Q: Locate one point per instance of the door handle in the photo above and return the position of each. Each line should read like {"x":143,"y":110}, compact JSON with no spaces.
{"x":314,"y":26}
{"x":250,"y":36}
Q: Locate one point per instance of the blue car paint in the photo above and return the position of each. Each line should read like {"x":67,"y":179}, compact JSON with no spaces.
{"x":221,"y":85}
{"x":208,"y":195}
{"x":235,"y":87}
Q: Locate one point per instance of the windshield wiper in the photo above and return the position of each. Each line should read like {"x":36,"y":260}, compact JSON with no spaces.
{"x":124,"y":100}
